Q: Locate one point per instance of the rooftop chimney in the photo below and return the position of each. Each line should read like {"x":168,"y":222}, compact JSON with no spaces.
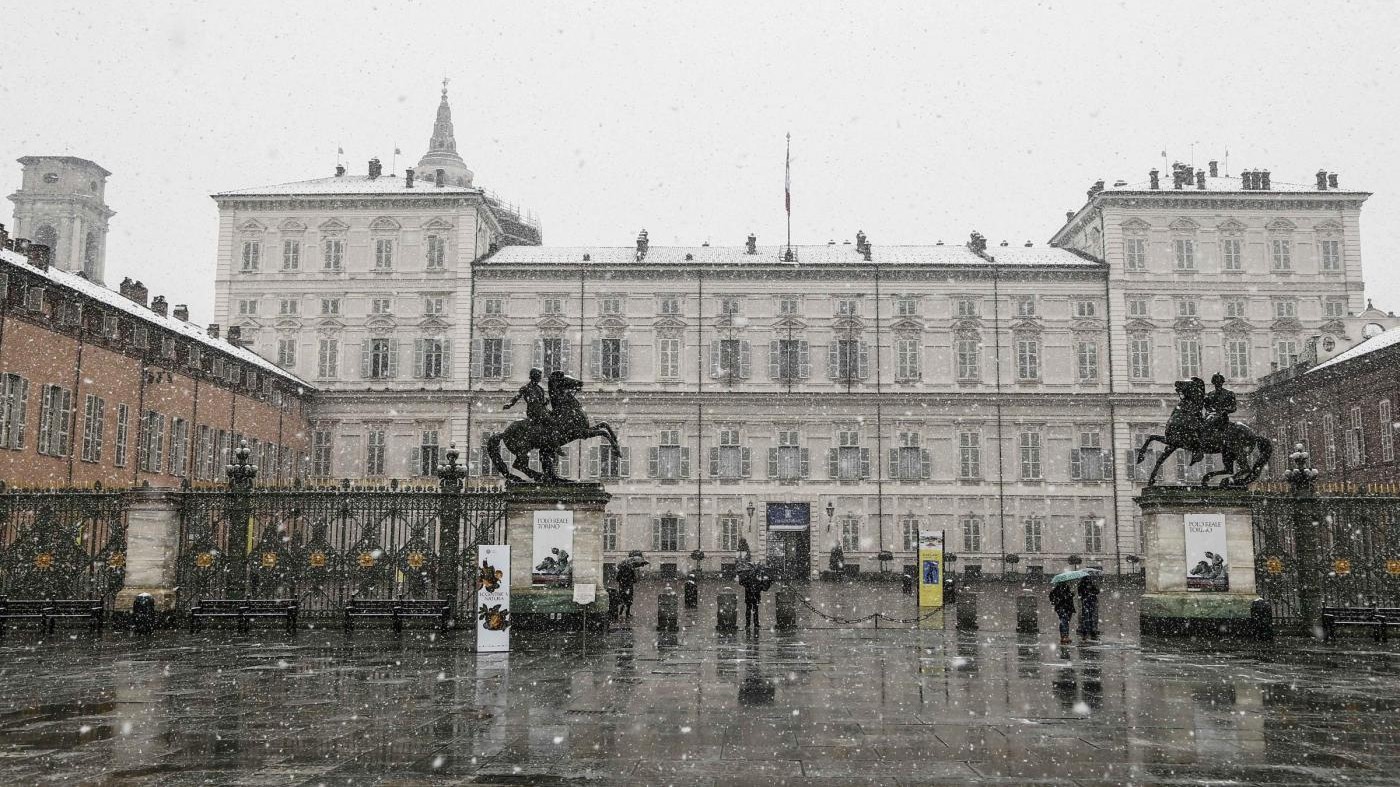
{"x":977,"y":242}
{"x":124,"y":289}
{"x":1152,"y":180}
{"x":751,"y":245}
{"x":339,"y":171}
{"x":138,"y":293}
{"x":235,"y":335}
{"x":1247,"y":180}
{"x":1178,"y":175}
{"x":1322,"y":180}
{"x":641,"y":245}
{"x":4,"y":237}
{"x":869,"y":251}
{"x":182,"y":312}
{"x":1264,"y":180}
{"x":860,"y":241}
{"x":408,"y":178}
{"x":39,"y":256}
{"x":440,"y":178}
{"x":1214,"y":169}
{"x":213,"y":330}
{"x":20,"y":246}
{"x":1096,"y":188}
{"x":158,"y":305}
{"x":1201,"y":179}
{"x":375,"y":168}
{"x":1332,"y":180}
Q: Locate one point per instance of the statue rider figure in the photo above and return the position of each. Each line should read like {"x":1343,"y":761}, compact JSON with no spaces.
{"x":1218,"y":404}
{"x":536,"y":399}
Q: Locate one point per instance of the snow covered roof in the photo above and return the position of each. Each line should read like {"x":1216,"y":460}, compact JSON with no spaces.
{"x":121,"y":303}
{"x":1378,"y":342}
{"x":826,"y":254}
{"x":1218,"y":184}
{"x":348,"y":184}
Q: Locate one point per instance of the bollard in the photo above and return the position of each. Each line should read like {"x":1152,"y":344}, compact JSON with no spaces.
{"x":907,"y":581}
{"x":950,"y":589}
{"x":692,"y":591}
{"x":727,"y":619}
{"x":1027,"y":614}
{"x":143,"y":613}
{"x":785,"y":609}
{"x":967,"y":611}
{"x":666,"y":611}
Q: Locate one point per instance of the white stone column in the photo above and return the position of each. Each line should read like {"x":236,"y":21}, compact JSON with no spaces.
{"x":152,"y":546}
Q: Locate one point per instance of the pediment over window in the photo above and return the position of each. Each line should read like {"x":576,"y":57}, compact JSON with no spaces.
{"x":1335,"y":327}
{"x":382,"y":321}
{"x":1287,"y":324}
{"x":669,"y":323}
{"x":328,"y":331}
{"x":612,"y":322}
{"x":1086,"y":325}
{"x":492,"y":323}
{"x":333,"y":225}
{"x":1328,"y":226}
{"x":1281,"y":225}
{"x":789,"y":324}
{"x":848,"y":324}
{"x":249,"y":328}
{"x":1135,"y":225}
{"x":380,"y":330}
{"x":1139,"y":325}
{"x":907,"y":325}
{"x":433,"y":322}
{"x":252,"y":225}
{"x":288,"y":324}
{"x":552,"y":324}
{"x":1231,"y":225}
{"x":437,"y":224}
{"x":1187,"y":325}
{"x":331,"y":324}
{"x":1184,"y":225}
{"x":384,"y":224}
{"x":1025,"y":325}
{"x":967,"y":324}
{"x":1236,"y":325}
{"x":292,"y":225}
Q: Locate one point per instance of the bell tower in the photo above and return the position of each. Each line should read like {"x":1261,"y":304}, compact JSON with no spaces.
{"x":61,"y":203}
{"x":442,"y":152}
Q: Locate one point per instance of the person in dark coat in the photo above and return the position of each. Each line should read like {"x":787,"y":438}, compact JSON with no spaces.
{"x":1062,"y":599}
{"x":754,"y":579}
{"x":626,"y":579}
{"x":1089,"y":608}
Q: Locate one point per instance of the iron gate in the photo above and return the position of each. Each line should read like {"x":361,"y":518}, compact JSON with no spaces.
{"x":62,"y":544}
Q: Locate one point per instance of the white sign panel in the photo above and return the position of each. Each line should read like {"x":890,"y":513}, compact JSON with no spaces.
{"x":1207,"y":563}
{"x":493,"y":599}
{"x":585,"y":593}
{"x":552,"y":561}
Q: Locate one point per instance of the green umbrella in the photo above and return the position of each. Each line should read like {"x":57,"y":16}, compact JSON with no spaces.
{"x":1070,"y":576}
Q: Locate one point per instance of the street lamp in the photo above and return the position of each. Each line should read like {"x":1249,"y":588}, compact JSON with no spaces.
{"x":830,"y":514}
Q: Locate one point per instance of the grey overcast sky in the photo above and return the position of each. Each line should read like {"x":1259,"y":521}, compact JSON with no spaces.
{"x":914,"y":122}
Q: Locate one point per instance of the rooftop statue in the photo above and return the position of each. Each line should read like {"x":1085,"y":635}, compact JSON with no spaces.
{"x":1201,"y":424}
{"x":553,"y":419}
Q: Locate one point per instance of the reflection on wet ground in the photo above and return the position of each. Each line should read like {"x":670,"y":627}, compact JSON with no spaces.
{"x":825,"y":705}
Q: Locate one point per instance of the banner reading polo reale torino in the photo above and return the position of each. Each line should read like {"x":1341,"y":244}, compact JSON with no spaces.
{"x":552,"y":559}
{"x":493,"y":598}
{"x":1207,"y":564}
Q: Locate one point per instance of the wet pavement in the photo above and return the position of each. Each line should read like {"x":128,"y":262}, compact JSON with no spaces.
{"x":829,"y":704}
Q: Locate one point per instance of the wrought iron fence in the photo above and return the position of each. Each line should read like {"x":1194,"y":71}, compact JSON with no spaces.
{"x":62,"y":544}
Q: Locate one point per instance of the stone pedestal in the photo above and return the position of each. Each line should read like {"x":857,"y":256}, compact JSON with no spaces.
{"x":535,"y":606}
{"x":1169,"y":605}
{"x":152,"y":543}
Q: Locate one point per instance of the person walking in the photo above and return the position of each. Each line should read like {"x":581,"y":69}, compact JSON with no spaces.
{"x":754,"y":579}
{"x":626,"y":579}
{"x":1062,"y":599}
{"x":1089,"y":608}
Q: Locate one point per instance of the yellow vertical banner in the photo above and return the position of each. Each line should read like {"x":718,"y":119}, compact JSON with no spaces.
{"x":930,"y":568}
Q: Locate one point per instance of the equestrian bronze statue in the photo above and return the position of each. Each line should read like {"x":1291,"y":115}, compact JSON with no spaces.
{"x":553,"y":419}
{"x":1201,"y":424}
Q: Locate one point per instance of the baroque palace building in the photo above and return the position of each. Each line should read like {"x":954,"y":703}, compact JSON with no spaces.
{"x":799,"y":397}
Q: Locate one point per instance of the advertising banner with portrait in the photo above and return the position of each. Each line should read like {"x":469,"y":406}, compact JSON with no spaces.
{"x":493,"y":598}
{"x":1207,"y":562}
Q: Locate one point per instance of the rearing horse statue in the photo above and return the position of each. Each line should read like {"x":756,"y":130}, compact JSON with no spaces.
{"x":546,"y":430}
{"x":1200,"y":423}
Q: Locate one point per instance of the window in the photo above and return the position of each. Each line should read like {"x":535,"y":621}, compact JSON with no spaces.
{"x":1086,"y":309}
{"x":381,"y":306}
{"x":14,"y":407}
{"x":1137,"y":307}
{"x":551,"y":306}
{"x":729,"y":306}
{"x":1185,"y":251}
{"x":788,"y":305}
{"x":610,"y":305}
{"x":55,"y":418}
{"x":1188,"y":357}
{"x":291,"y":255}
{"x":493,"y":306}
{"x":906,"y":357}
{"x":380,"y":360}
{"x":850,"y":534}
{"x":849,"y":361}
{"x":152,"y":444}
{"x":909,"y":528}
{"x":971,"y":533}
{"x":610,"y":528}
{"x":609,"y":464}
{"x":667,"y":535}
{"x":1329,"y":441}
{"x":94,"y":415}
{"x":33,"y":298}
{"x":286,"y":353}
{"x":374,"y":452}
{"x":1281,"y":254}
{"x":434,"y":306}
{"x":201,"y":467}
{"x":1232,"y":254}
{"x":1140,"y":357}
{"x":1237,"y":359}
{"x":1135,"y":254}
{"x":1285,"y":309}
{"x":1186,"y":308}
{"x":428,"y":452}
{"x":847,"y":307}
{"x":1356,"y":439}
{"x":437,"y":252}
{"x":848,"y":461}
{"x":1087,"y":354}
{"x":669,"y":459}
{"x":965,"y":307}
{"x":247,"y":308}
{"x":906,"y":307}
{"x":969,"y":455}
{"x":1093,"y":535}
{"x":179,"y":446}
{"x":1027,"y":358}
{"x":610,"y":359}
{"x":430,"y":359}
{"x":789,"y":360}
{"x":328,"y":358}
{"x":321,"y":453}
{"x":495,"y":361}
{"x":909,"y":461}
{"x":729,"y":529}
{"x":1334,"y":308}
{"x":1030,"y":456}
{"x":668,"y":357}
{"x":1025,"y":307}
{"x":1285,"y":352}
{"x":1331,"y":253}
{"x":1035,"y":531}
{"x":1387,"y":431}
{"x":969,"y":358}
{"x":332,"y":254}
{"x":728,"y":459}
{"x":252,"y":256}
{"x":383,"y":254}
{"x":1089,"y":462}
{"x":552,"y":354}
{"x":330,"y":306}
{"x":1235,"y":308}
{"x":788,"y":461}
{"x":123,"y":425}
{"x":669,"y":305}
{"x":288,"y":307}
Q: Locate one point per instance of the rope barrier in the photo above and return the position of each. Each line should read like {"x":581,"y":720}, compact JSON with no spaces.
{"x":872,"y":616}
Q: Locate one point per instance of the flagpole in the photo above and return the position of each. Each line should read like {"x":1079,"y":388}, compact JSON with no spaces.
{"x":787,"y":194}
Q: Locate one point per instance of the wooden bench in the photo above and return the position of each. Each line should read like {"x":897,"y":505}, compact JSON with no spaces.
{"x":48,"y":611}
{"x":1377,"y":618}
{"x":397,"y":610}
{"x":244,"y":610}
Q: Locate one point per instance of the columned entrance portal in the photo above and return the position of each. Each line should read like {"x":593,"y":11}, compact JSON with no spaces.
{"x":790,"y":540}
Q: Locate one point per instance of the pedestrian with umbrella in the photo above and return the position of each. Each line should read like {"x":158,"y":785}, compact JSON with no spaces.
{"x":1089,"y":606}
{"x":1062,"y":599}
{"x":626,"y":580}
{"x":754,"y":578}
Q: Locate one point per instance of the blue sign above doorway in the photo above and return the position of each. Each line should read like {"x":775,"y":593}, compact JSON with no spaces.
{"x":789,"y":516}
